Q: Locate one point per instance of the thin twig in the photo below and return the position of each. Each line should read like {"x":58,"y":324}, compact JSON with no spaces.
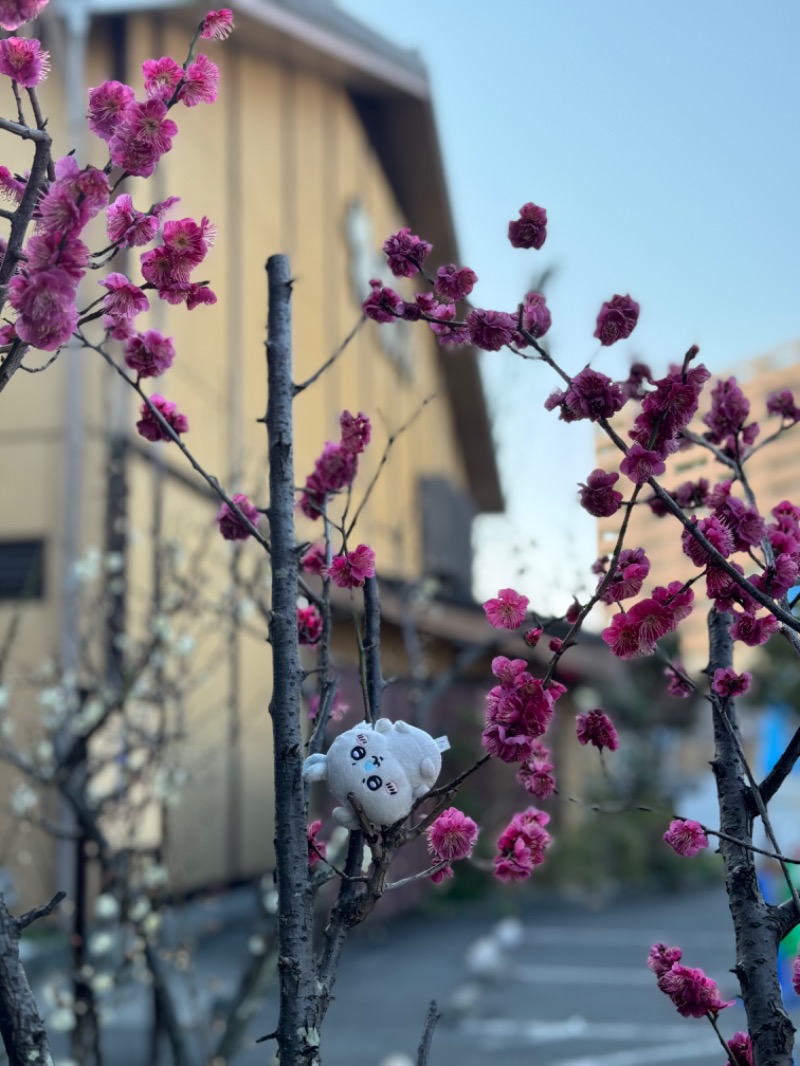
{"x":29,"y":917}
{"x":431,"y":1019}
{"x":331,"y":359}
{"x":389,"y":443}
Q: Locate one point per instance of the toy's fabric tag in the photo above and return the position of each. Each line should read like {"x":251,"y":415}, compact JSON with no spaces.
{"x":442,"y":743}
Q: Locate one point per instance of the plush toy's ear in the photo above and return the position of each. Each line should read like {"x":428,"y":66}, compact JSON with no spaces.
{"x":383,"y":725}
{"x":402,"y":727}
{"x":315,"y":768}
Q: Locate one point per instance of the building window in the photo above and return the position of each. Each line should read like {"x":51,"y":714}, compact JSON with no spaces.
{"x":21,"y":569}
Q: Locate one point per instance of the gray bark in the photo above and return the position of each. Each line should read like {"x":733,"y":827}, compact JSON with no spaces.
{"x":757,"y":925}
{"x":296,"y":1035}
{"x":21,"y":1027}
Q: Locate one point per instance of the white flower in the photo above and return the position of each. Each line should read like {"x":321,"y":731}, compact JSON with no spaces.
{"x":151,"y":924}
{"x":139,"y":909}
{"x":23,"y":800}
{"x":62,"y":1020}
{"x":101,"y":943}
{"x":256,"y":945}
{"x":155,"y":876}
{"x":87,"y":568}
{"x":115,"y":562}
{"x":106,"y":907}
{"x":185,"y":644}
{"x":102,"y":982}
{"x":45,"y":752}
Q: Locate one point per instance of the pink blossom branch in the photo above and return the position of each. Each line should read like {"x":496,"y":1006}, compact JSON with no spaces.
{"x":719,"y":560}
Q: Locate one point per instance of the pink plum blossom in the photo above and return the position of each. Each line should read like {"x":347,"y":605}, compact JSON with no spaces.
{"x":309,"y":624}
{"x":596,"y":728}
{"x":530,"y":229}
{"x":405,"y":253}
{"x":13,"y":13}
{"x":151,"y":429}
{"x":351,"y":569}
{"x":452,"y":836}
{"x":616,"y":320}
{"x":217,"y":25}
{"x":230,"y":524}
{"x":507,"y":609}
{"x":23,"y":59}
{"x":686,"y":837}
{"x":149,"y":354}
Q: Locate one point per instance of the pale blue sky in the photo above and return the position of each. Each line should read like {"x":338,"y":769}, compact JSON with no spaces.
{"x":662,"y":138}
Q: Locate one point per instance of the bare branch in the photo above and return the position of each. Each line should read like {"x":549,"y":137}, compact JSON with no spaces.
{"x":424,"y":1049}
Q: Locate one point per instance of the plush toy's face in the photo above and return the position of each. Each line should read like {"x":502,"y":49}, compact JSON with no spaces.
{"x":362,"y":762}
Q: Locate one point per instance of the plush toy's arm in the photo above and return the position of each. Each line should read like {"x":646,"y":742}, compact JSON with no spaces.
{"x":346,"y":816}
{"x":315,"y":768}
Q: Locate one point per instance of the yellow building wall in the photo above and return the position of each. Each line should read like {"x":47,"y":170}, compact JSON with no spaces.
{"x":275,"y":163}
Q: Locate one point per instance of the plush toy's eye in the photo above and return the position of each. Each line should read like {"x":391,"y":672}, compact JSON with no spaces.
{"x":358,"y":753}
{"x":374,"y":782}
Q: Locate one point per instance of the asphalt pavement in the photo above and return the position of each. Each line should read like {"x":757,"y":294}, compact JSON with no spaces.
{"x":518,"y":980}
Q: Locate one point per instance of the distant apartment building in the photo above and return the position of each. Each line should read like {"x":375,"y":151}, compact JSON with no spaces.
{"x":773,"y":473}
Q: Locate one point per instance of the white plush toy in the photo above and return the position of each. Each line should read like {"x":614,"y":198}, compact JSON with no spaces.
{"x":386,"y":767}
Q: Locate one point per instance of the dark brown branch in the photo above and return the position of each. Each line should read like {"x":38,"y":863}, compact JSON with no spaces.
{"x":331,"y":359}
{"x":29,"y":917}
{"x":424,"y":1049}
{"x":782,"y":768}
{"x":166,"y":1007}
{"x":372,"y":650}
{"x":21,"y":1026}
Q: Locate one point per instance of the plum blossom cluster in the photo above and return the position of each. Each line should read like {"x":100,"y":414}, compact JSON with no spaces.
{"x":43,"y":291}
{"x":521,"y":846}
{"x":693,"y":994}
{"x":336,"y":467}
{"x":518,"y":711}
{"x":636,"y":631}
{"x":138,"y":132}
{"x":626,"y":577}
{"x":451,"y":837}
{"x":487,"y":329}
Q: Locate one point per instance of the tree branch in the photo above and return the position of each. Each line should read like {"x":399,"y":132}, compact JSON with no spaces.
{"x":755,"y":926}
